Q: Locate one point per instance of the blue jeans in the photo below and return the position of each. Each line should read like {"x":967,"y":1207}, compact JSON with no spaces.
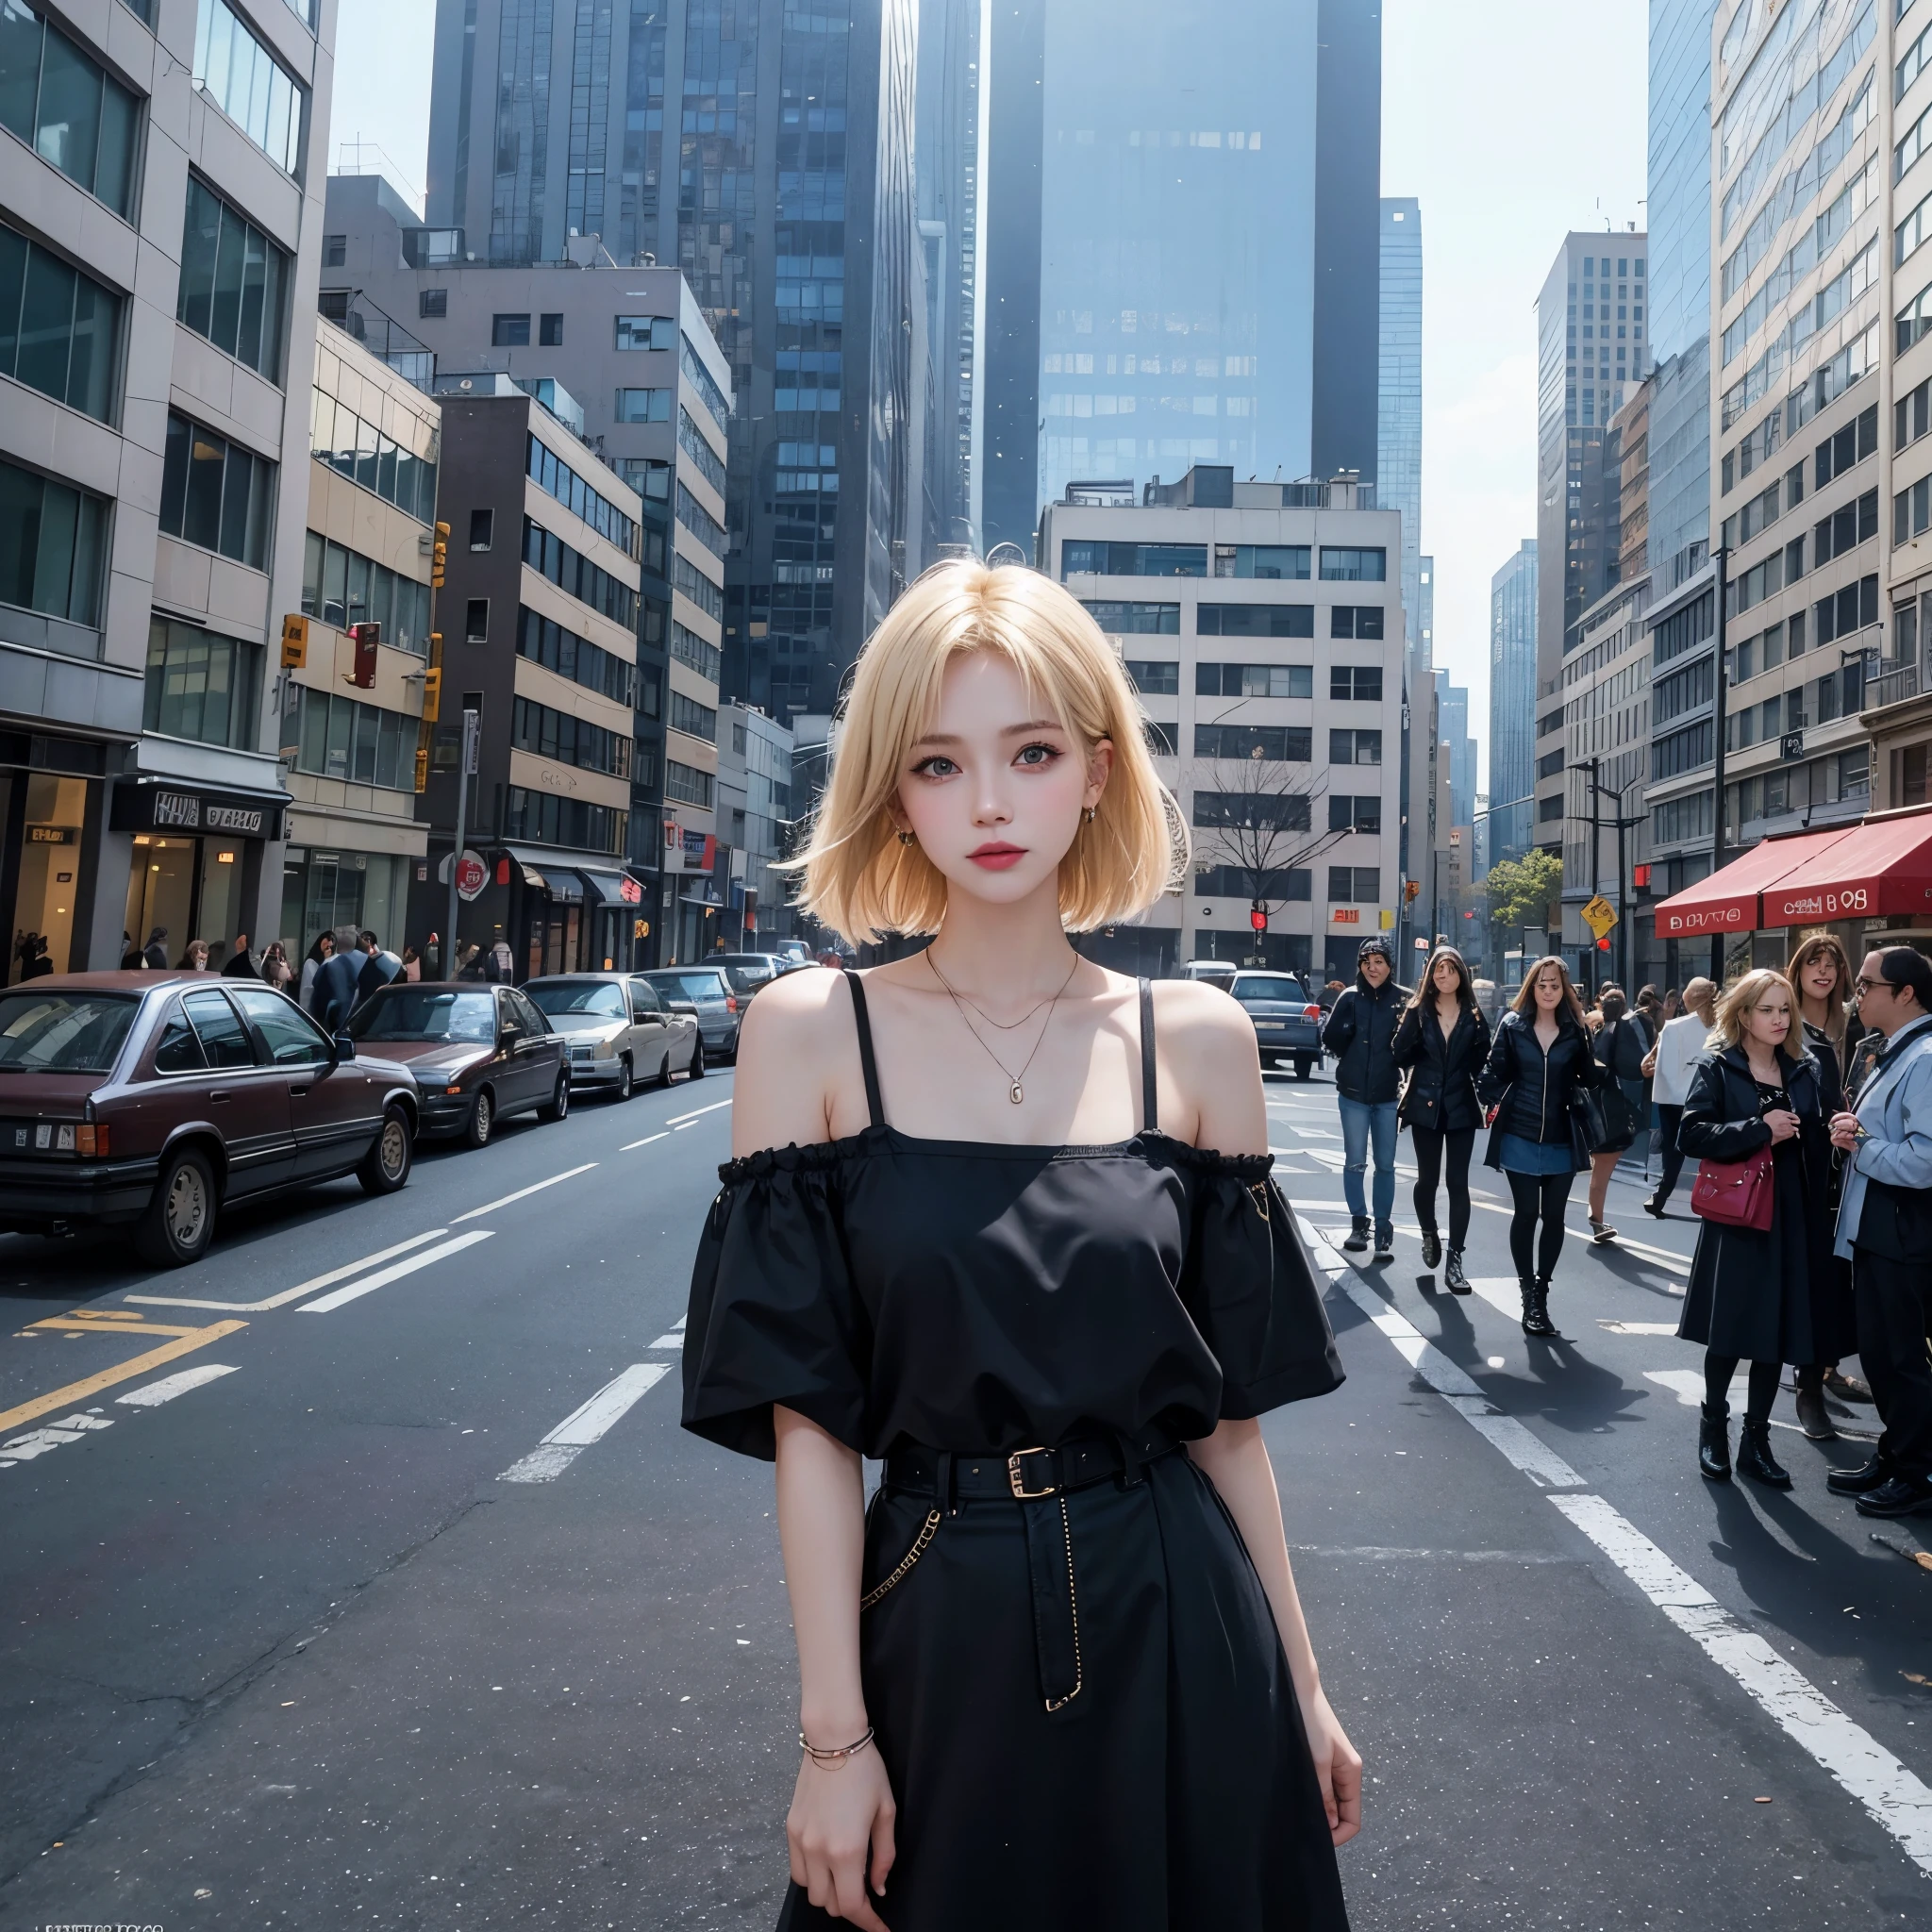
{"x":1361,"y":1121}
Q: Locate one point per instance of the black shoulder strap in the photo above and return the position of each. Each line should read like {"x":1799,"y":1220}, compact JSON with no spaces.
{"x":1150,"y":1110}
{"x":868,"y":1063}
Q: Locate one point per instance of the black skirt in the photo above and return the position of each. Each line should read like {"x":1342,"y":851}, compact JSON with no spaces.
{"x":1172,"y":1792}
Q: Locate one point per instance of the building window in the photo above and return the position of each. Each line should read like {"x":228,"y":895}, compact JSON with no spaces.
{"x":545,"y":819}
{"x":687,"y":785}
{"x":340,"y":738}
{"x":643,"y":406}
{"x":1274,"y":743}
{"x":341,"y":586}
{"x":1549,"y":808}
{"x":335,"y":251}
{"x":545,"y":641}
{"x":646,"y":332}
{"x":217,"y":494}
{"x":1133,"y":560}
{"x":708,"y":660}
{"x":360,"y":451}
{"x":686,"y":577}
{"x":1255,"y":620}
{"x":1293,"y":883}
{"x":700,"y":380}
{"x":52,"y":545}
{"x":700,"y":522}
{"x":59,"y":329}
{"x":509,"y":331}
{"x":245,"y":81}
{"x":556,"y":477}
{"x":696,"y":720}
{"x":1357,"y":813}
{"x":482,"y":524}
{"x":232,"y":279}
{"x":67,"y":108}
{"x":1271,"y":560}
{"x":201,"y":685}
{"x":432,"y":304}
{"x":1286,"y":811}
{"x":1154,"y":677}
{"x":550,"y":331}
{"x":1254,"y":680}
{"x":569,"y":739}
{"x":476,"y":621}
{"x":1355,"y":885}
{"x":1357,"y":683}
{"x":1355,"y":621}
{"x":332,"y":305}
{"x":1354,"y":566}
{"x":1354,"y":747}
{"x":650,"y":476}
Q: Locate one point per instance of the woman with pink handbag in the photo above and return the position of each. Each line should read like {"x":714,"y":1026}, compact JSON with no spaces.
{"x":1760,"y":1282}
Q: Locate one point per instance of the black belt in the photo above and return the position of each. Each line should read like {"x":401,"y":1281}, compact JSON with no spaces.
{"x":1027,"y":1474}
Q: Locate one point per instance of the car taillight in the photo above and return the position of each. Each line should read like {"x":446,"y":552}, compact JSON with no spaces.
{"x":90,"y":1141}
{"x":1311,"y":1012}
{"x":731,"y":1003}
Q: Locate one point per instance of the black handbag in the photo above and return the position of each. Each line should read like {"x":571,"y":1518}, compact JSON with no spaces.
{"x":1605,"y":1116}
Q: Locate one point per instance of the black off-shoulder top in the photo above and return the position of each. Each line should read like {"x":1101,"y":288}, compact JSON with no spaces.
{"x":982,"y":1298}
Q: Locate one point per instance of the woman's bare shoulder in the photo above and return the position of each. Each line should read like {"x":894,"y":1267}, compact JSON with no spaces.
{"x":797,"y":1033}
{"x":1207,"y":1052}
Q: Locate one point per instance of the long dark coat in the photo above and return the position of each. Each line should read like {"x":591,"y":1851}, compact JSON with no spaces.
{"x":1749,"y":1292}
{"x":1440,"y":1092}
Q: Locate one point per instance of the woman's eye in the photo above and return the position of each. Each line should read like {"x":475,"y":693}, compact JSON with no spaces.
{"x":1036,"y":755}
{"x":935,"y":767}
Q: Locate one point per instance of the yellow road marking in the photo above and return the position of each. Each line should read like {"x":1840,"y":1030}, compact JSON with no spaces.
{"x":185,"y":1342}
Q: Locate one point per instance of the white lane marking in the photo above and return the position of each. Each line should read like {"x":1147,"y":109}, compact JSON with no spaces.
{"x":70,"y":1429}
{"x":1893,"y":1796}
{"x":369,"y":1284}
{"x":535,"y":1187}
{"x":1636,"y":1327}
{"x":295,"y":1294}
{"x":675,"y":1338}
{"x":1315,"y":1133}
{"x":680,"y":1126}
{"x":644,"y":1142}
{"x":585,"y":1426}
{"x":677,"y":1120}
{"x":152,"y":1395}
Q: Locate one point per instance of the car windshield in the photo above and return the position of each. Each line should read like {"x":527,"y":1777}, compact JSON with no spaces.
{"x":1253,"y":986}
{"x":688,"y":986}
{"x":62,"y":1032}
{"x":426,"y":1012}
{"x":582,"y":999}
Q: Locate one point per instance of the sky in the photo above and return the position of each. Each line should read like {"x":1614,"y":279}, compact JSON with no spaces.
{"x":1513,"y":121}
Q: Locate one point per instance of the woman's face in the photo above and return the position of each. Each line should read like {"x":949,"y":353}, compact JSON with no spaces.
{"x":328,"y":946}
{"x":1549,"y":989}
{"x":1820,"y":978}
{"x":1445,"y":978}
{"x":1769,"y":1020}
{"x":995,"y":790}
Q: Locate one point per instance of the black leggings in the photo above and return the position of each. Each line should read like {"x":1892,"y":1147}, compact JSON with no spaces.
{"x":1428,"y":1168}
{"x":1537,"y":1194}
{"x":1718,"y":1371}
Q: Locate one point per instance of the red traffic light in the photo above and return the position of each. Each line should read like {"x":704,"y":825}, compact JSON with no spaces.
{"x":1258,"y":918}
{"x":366,"y":637}
{"x":1603,"y":945}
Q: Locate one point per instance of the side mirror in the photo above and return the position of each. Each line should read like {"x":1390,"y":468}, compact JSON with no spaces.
{"x":341,"y":1048}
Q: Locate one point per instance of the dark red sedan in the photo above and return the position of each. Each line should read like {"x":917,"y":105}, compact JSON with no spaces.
{"x":149,"y":1100}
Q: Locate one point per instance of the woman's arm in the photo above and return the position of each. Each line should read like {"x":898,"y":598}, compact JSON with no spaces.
{"x":840,"y":1814}
{"x":1338,"y":1036}
{"x":1235,"y":1461}
{"x":1407,"y":1047}
{"x":1493,"y":1081}
{"x":1703,"y":1132}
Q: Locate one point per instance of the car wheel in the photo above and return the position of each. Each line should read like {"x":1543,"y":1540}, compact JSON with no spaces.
{"x":664,"y":1071}
{"x":180,"y":1219}
{"x":558,"y":1107}
{"x":476,"y":1129}
{"x":626,"y":1081}
{"x":698,"y":1058}
{"x":386,"y":1166}
{"x":1303,"y":1066}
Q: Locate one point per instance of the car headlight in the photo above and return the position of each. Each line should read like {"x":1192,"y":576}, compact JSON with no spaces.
{"x":607,"y":1049}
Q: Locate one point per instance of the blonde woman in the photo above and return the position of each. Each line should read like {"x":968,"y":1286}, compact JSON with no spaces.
{"x":1762,"y":1297}
{"x":1004,"y":1220}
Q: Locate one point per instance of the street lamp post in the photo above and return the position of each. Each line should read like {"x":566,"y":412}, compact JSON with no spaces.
{"x":1721,"y":557}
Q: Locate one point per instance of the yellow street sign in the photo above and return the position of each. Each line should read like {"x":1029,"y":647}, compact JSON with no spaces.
{"x":1600,"y":915}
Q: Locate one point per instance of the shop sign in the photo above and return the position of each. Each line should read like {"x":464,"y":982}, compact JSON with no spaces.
{"x":472,"y":875}
{"x":50,"y":835}
{"x":630,"y":893}
{"x":1346,"y":915}
{"x":167,"y":808}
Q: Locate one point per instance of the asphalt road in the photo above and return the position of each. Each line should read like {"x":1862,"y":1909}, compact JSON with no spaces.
{"x":335,"y":1637}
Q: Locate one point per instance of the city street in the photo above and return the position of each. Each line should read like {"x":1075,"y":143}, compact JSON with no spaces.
{"x":394,"y":1595}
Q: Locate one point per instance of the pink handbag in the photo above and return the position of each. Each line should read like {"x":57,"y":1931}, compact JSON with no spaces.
{"x":1736,"y":1193}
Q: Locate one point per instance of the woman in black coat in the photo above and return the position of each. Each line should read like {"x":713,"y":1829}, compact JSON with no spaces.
{"x":1441,"y":1046}
{"x":1620,"y":1046}
{"x":1539,"y":1059}
{"x":1765,"y":1298}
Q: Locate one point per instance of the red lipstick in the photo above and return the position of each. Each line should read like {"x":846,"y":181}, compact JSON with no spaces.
{"x":997,"y":856}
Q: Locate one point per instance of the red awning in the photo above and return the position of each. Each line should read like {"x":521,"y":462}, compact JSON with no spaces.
{"x":1882,"y":867}
{"x":1728,"y":900}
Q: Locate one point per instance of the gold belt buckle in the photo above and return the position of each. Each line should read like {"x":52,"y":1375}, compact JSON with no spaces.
{"x":1016,"y":1477}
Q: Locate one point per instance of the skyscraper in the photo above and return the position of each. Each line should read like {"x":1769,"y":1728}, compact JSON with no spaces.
{"x":1453,"y":713}
{"x":1399,"y":404}
{"x":791,"y":212}
{"x":1512,"y":701}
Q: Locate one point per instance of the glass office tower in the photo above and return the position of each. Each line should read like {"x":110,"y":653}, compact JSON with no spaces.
{"x":1512,"y":703}
{"x":1399,"y":411}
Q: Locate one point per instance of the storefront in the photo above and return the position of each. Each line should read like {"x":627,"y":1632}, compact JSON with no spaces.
{"x":322,"y":888}
{"x":49,"y":849}
{"x":197,"y":861}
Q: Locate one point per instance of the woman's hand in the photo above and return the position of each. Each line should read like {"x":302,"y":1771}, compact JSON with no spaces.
{"x":1844,"y":1132}
{"x":1647,"y":1066}
{"x":1783,"y":1123}
{"x":838,"y":1815}
{"x":1338,"y":1765}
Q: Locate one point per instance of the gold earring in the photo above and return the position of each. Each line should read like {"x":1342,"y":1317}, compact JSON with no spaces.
{"x":1087,"y":812}
{"x":909,"y":838}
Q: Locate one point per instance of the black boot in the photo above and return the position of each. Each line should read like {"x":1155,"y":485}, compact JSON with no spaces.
{"x":1385,"y":1241}
{"x":1358,"y":1240}
{"x":1432,"y":1247}
{"x":1536,"y":1306}
{"x":1812,"y":1419}
{"x":1454,"y":1279}
{"x":1714,"y":1443}
{"x":1755,"y":1458}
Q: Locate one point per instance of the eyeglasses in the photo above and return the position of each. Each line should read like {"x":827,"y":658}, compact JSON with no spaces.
{"x":1865,"y":984}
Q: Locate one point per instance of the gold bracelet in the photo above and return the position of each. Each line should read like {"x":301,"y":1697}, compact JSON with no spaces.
{"x":833,"y":1758}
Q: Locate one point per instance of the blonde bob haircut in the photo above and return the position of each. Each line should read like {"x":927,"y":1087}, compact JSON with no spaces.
{"x":860,"y":880}
{"x":1740,"y":1000}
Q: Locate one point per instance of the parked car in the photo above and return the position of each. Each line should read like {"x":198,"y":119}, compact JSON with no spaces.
{"x":151,"y":1101}
{"x":747,"y":971}
{"x":1288,"y":1024}
{"x":618,"y":1030}
{"x":707,"y":993}
{"x":478,"y":1053}
{"x":1215,"y":972}
{"x":795,"y":953}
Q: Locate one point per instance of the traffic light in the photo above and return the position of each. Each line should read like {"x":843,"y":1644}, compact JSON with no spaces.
{"x":294,"y":643}
{"x":439,"y":557}
{"x":1258,"y":916}
{"x":1413,"y":890}
{"x":1603,"y":945}
{"x":366,"y":636}
{"x":432,"y":694}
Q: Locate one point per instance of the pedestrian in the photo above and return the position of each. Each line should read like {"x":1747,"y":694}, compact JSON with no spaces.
{"x":1539,"y":1060}
{"x":412,"y":965}
{"x":1651,"y":1008}
{"x":1674,"y":1005}
{"x":378,"y":967}
{"x":240,"y":963}
{"x":311,"y":964}
{"x":501,"y":968}
{"x":1885,"y":1229}
{"x":1039,"y":1685}
{"x":37,"y":963}
{"x":1331,"y":991}
{"x":333,"y":996}
{"x":276,"y":970}
{"x":1444,"y":1043}
{"x":1670,"y":1061}
{"x":1360,"y":1033}
{"x":195,"y":958}
{"x":1623,"y":1042}
{"x":154,"y":955}
{"x":1760,"y":1295}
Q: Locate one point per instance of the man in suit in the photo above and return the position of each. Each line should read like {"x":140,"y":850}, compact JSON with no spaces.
{"x":333,"y":998}
{"x":377,"y":967}
{"x":1885,"y":1227}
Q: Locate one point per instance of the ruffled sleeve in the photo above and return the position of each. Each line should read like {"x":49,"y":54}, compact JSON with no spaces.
{"x":1253,"y":1291}
{"x":773,"y":1313}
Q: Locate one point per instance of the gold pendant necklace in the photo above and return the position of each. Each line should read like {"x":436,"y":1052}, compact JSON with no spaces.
{"x":1016,"y":1090}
